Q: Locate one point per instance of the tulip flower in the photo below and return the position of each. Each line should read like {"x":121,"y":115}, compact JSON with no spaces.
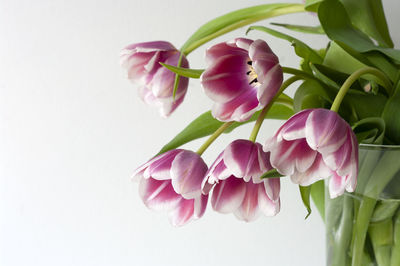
{"x":315,"y":144}
{"x":242,"y":77}
{"x":156,"y":83}
{"x":172,"y":182}
{"x":237,"y":187}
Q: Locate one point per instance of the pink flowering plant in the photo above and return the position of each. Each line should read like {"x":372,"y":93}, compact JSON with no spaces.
{"x":348,"y":95}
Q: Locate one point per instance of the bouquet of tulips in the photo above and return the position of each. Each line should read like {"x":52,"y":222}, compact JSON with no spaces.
{"x":349,"y":94}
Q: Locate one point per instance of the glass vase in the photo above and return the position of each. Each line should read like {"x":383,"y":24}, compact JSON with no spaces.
{"x":363,"y":227}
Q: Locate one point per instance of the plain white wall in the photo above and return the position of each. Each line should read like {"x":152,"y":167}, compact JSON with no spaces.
{"x":72,"y":130}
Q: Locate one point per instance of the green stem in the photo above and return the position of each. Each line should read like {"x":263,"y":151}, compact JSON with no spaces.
{"x":297,"y":72}
{"x":360,"y":229}
{"x":353,"y":77}
{"x":343,"y":233}
{"x":381,"y":235}
{"x":386,"y":168}
{"x":213,"y":137}
{"x":395,"y":259}
{"x":264,"y":112}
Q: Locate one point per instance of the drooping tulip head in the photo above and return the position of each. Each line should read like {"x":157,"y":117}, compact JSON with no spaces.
{"x":315,"y":144}
{"x":237,"y":187}
{"x":242,"y":77}
{"x":156,"y":83}
{"x":172,"y":182}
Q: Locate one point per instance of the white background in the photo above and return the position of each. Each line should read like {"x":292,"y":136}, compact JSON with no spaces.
{"x":72,"y":130}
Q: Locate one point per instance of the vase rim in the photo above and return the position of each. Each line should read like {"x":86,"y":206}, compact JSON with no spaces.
{"x":379,"y":146}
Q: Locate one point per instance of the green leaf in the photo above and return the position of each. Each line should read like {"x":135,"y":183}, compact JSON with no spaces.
{"x":235,"y":20}
{"x":273,"y":173}
{"x":318,"y":197}
{"x":301,"y":28}
{"x":391,"y":116}
{"x":311,"y":94}
{"x":343,"y":57}
{"x":312,"y":5}
{"x":356,"y":105}
{"x":338,"y":26}
{"x":369,"y":17}
{"x":370,"y":130}
{"x":206,"y":124}
{"x":385,"y":209}
{"x":382,"y":62}
{"x":300,"y":48}
{"x":305,"y":193}
{"x":337,"y":58}
{"x":185,"y":72}
{"x":324,"y":78}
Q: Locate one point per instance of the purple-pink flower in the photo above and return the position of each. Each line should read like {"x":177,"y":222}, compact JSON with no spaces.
{"x":172,"y":182}
{"x":242,"y":77}
{"x":237,"y":187}
{"x":156,"y":83}
{"x":316,"y":144}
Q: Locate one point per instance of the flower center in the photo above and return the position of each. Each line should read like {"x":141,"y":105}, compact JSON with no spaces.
{"x":251,"y":73}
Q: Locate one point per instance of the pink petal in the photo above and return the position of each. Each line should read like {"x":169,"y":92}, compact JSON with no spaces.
{"x":200,"y":204}
{"x":242,"y":43}
{"x":294,"y":128}
{"x":263,"y":159}
{"x":156,"y":82}
{"x":316,"y":172}
{"x":351,"y":180}
{"x":216,"y":172}
{"x":226,"y":78}
{"x":146,"y":95}
{"x":248,"y":210}
{"x":337,"y":185}
{"x":157,"y":167}
{"x":239,"y":109}
{"x":158,"y":194}
{"x":270,"y":85}
{"x":228,"y":195}
{"x":305,"y":156}
{"x":183,"y":212}
{"x":340,"y":158}
{"x":135,"y":66}
{"x":163,"y":81}
{"x":221,"y":49}
{"x":259,"y":49}
{"x":272,"y":188}
{"x":283,"y":156}
{"x":241,"y":158}
{"x":325,"y":131}
{"x":187,"y":172}
{"x":169,"y":105}
{"x":265,"y":204}
{"x":151,"y":46}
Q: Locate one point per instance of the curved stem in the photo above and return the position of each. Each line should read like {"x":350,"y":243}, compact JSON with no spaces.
{"x":213,"y":137}
{"x":264,"y":112}
{"x":353,"y":77}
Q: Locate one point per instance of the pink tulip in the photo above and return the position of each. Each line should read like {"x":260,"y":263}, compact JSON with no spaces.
{"x":172,"y":182}
{"x":156,"y":83}
{"x":235,"y":177}
{"x":242,"y":77}
{"x":316,"y":144}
